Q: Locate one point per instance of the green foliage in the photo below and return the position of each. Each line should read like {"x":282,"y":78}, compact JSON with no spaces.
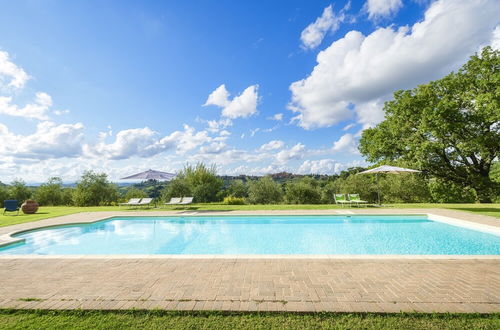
{"x":95,"y":189}
{"x":198,"y":181}
{"x":133,"y":192}
{"x":19,"y":191}
{"x":264,"y":191}
{"x":178,"y":187}
{"x":234,"y":201}
{"x":303,"y":191}
{"x":50,"y":193}
{"x":449,"y":192}
{"x":364,"y":185}
{"x":238,"y":188}
{"x":447,"y":128}
{"x":4,"y":194}
{"x":67,"y":196}
{"x":404,"y":188}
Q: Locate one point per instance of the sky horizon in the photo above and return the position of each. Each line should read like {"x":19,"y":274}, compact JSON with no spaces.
{"x":255,"y":87}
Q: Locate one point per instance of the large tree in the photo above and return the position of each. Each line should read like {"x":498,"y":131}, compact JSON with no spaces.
{"x":449,"y":128}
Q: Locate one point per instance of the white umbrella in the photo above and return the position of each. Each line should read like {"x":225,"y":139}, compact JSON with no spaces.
{"x":386,"y":169}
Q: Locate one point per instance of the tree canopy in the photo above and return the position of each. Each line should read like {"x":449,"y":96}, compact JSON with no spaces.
{"x":449,"y":128}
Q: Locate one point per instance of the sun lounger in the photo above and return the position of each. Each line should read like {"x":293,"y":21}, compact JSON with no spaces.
{"x":354,"y":198}
{"x":132,"y":202}
{"x":10,"y":205}
{"x":174,"y":201}
{"x":341,"y":199}
{"x":145,"y":202}
{"x":186,"y":200}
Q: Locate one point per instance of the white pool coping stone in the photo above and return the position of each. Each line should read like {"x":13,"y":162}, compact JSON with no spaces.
{"x":8,"y":238}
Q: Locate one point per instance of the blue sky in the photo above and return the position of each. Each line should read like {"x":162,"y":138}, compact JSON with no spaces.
{"x":255,"y":87}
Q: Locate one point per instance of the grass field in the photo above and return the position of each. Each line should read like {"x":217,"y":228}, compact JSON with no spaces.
{"x":56,"y":211}
{"x":25,"y":319}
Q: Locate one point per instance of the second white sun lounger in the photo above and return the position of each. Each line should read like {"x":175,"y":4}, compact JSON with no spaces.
{"x":174,"y":201}
{"x":131,"y":202}
{"x":186,"y":200}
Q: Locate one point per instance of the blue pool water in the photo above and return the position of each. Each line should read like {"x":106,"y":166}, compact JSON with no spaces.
{"x":258,"y":235}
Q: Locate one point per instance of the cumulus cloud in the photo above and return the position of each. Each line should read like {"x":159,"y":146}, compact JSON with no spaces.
{"x":241,"y":106}
{"x":272,"y":145}
{"x":295,"y":152}
{"x":321,"y":166}
{"x":37,"y":109}
{"x":10,"y":73}
{"x":314,"y":33}
{"x":359,"y":69}
{"x":49,"y":141}
{"x":382,"y":8}
{"x":346,"y":144}
{"x":144,"y":142}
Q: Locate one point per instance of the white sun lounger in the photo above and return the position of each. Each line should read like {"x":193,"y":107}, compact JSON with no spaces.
{"x":145,"y":201}
{"x":131,"y":202}
{"x":174,"y":201}
{"x":186,"y":200}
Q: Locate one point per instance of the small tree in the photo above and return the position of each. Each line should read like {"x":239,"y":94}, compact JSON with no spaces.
{"x":178,"y":187}
{"x":134,"y":192}
{"x":50,"y":193}
{"x":303,"y":191}
{"x":238,"y":189}
{"x":203,"y":182}
{"x":264,"y":191}
{"x":19,"y":191}
{"x":94,"y":189}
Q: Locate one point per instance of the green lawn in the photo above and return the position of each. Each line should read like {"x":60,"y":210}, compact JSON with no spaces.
{"x":26,"y":319}
{"x":56,"y":211}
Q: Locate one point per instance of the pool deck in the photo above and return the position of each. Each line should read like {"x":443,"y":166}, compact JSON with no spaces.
{"x":251,"y":283}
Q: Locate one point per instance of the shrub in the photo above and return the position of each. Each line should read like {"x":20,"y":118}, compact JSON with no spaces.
{"x":134,"y":192}
{"x":19,"y":191}
{"x":4,"y":194}
{"x":203,"y":182}
{"x":264,"y":191}
{"x":94,"y":189}
{"x":238,"y":188}
{"x":303,"y":191}
{"x":50,"y":193}
{"x":178,"y":187}
{"x":234,"y":200}
{"x":449,"y":192}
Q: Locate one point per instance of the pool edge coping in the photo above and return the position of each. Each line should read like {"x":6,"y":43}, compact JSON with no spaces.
{"x":9,"y":239}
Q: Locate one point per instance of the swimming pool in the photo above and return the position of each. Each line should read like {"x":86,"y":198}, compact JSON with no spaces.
{"x":258,"y":235}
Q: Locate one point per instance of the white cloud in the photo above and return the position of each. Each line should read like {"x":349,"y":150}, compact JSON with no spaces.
{"x":346,"y":144}
{"x":358,"y":69}
{"x":215,"y":126}
{"x":219,"y":97}
{"x":296,"y":152}
{"x":37,"y":110}
{"x":314,"y":33}
{"x":382,"y":8}
{"x":9,"y":71}
{"x":277,"y":117}
{"x":495,"y":40}
{"x":214,"y":148}
{"x":241,"y":106}
{"x":144,"y":142}
{"x":321,"y":166}
{"x":49,"y":141}
{"x":272,"y":145}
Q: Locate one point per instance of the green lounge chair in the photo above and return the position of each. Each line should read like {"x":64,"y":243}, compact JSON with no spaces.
{"x":354,"y":198}
{"x":341,"y":199}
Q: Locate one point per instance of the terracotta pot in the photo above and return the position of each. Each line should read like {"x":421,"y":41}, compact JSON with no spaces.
{"x":29,"y":207}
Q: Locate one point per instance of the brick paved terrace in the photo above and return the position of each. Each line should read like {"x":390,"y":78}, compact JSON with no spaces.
{"x":344,"y":284}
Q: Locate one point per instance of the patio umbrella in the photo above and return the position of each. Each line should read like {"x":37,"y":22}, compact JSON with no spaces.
{"x":386,"y":169}
{"x":151,"y":175}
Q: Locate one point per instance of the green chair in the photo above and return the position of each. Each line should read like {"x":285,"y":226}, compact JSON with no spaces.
{"x":354,"y":198}
{"x":341,"y":199}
